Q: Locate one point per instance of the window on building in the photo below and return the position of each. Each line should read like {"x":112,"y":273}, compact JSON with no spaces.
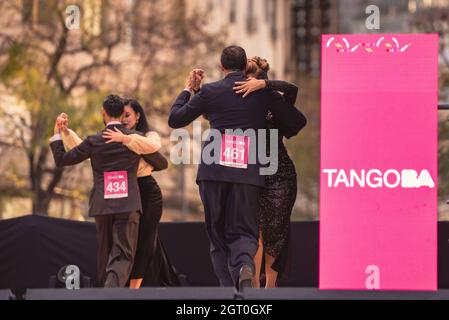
{"x":39,"y":12}
{"x":273,"y":20}
{"x":251,"y":20}
{"x":268,"y":8}
{"x":134,"y":24}
{"x":27,"y":11}
{"x":46,"y":12}
{"x":310,"y":19}
{"x":233,"y":11}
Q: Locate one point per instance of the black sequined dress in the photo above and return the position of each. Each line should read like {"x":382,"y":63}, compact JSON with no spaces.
{"x":279,"y":195}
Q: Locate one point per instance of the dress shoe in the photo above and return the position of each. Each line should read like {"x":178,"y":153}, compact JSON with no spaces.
{"x":246,"y":277}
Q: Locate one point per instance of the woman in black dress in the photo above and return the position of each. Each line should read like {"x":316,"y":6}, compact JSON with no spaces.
{"x":151,"y":265}
{"x":279,"y":195}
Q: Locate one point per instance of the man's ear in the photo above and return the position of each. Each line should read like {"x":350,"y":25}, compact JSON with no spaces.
{"x":103,"y":112}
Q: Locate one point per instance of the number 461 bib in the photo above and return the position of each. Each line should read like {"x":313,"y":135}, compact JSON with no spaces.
{"x":234,"y":151}
{"x":115,"y":184}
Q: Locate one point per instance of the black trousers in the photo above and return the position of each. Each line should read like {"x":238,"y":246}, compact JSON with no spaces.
{"x":232,"y":223}
{"x":117,"y":242}
{"x":151,"y":261}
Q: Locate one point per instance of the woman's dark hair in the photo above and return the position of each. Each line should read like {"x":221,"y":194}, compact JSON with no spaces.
{"x":233,"y":58}
{"x":142,"y":123}
{"x":113,"y":105}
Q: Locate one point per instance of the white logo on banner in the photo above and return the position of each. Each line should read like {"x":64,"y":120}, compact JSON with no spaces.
{"x":373,"y":280}
{"x":375,"y":178}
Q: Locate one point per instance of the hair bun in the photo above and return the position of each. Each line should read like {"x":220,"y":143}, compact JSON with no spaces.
{"x":263,"y":64}
{"x":257,"y":67}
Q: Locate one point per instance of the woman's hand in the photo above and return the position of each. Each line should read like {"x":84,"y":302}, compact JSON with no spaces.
{"x":115,"y":136}
{"x":251,"y":85}
{"x":61,"y":124}
{"x":63,"y":119}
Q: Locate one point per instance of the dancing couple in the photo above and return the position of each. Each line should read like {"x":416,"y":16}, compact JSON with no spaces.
{"x":247,"y":214}
{"x":126,"y":200}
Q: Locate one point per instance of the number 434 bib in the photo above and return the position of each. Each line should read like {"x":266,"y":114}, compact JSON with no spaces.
{"x":234,"y":151}
{"x":115,"y":184}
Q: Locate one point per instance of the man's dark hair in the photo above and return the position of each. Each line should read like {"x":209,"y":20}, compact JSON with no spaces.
{"x":233,"y":58}
{"x":113,"y":105}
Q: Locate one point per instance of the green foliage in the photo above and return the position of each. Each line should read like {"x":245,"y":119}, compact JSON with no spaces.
{"x":13,"y":63}
{"x":166,"y":84}
{"x":24,"y":75}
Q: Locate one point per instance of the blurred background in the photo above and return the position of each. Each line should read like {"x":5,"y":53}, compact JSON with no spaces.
{"x":145,"y":49}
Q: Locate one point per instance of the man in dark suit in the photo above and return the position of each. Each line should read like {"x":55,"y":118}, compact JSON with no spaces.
{"x":230,"y":193}
{"x":115,"y":200}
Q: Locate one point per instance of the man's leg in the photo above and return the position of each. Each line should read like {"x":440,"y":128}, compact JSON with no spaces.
{"x":242,"y":227}
{"x":104,"y":239}
{"x":213,"y":195}
{"x":125,"y":229}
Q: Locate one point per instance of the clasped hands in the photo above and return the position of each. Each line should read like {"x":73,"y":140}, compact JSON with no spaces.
{"x":62,"y":123}
{"x":194,"y":79}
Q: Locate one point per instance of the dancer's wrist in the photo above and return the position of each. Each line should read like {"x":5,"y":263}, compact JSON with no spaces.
{"x":126,"y":139}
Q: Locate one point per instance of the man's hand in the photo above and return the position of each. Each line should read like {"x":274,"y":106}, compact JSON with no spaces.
{"x":63,"y":123}
{"x":193,"y":81}
{"x":57,"y":128}
{"x":251,"y":85}
{"x":198,"y":76}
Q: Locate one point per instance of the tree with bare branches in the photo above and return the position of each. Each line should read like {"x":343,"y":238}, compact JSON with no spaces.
{"x":49,"y":68}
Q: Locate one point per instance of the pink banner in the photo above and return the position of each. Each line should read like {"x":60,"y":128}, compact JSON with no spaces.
{"x":378,"y":193}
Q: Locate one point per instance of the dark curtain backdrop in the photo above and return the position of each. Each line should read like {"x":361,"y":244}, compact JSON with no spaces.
{"x":32,"y":248}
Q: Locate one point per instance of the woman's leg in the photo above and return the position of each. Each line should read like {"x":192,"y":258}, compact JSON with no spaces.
{"x":135,"y":283}
{"x":281,"y":196}
{"x":258,"y":262}
{"x":148,"y":229}
{"x":270,"y":275}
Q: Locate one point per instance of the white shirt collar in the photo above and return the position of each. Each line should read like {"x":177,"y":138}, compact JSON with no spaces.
{"x":113,"y":122}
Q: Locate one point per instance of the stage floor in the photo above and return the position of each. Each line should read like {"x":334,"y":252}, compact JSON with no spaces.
{"x":217,"y":293}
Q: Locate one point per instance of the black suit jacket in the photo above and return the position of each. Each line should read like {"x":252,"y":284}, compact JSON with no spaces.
{"x":105,"y":157}
{"x":226,"y":110}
